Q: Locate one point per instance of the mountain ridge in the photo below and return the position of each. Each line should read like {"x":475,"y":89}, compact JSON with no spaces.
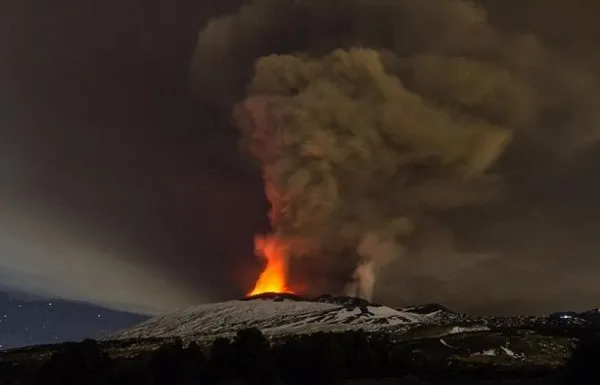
{"x":280,"y":314}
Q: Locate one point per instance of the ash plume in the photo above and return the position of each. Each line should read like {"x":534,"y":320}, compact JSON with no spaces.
{"x":372,"y":119}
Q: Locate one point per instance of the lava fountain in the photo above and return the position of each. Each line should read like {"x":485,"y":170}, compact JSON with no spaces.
{"x":273,"y":278}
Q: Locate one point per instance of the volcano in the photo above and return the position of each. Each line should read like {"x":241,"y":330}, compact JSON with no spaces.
{"x":280,"y":315}
{"x":429,"y":333}
{"x":429,"y":336}
{"x":276,"y":314}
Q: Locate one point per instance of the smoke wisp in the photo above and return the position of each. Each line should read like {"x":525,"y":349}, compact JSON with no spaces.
{"x":373,"y":119}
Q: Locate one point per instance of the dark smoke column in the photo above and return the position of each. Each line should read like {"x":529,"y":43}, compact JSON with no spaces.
{"x":350,"y":157}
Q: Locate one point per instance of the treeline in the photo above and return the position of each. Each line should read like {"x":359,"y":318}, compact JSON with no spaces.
{"x":321,"y":358}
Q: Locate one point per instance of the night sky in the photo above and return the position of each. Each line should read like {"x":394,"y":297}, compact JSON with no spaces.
{"x":118,"y":188}
{"x":31,"y":321}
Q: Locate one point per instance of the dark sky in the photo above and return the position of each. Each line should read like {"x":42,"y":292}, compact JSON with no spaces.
{"x":119,"y":188}
{"x":100,"y":141}
{"x":32,"y":321}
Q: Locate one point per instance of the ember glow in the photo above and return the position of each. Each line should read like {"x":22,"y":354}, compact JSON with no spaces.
{"x":273,"y":279}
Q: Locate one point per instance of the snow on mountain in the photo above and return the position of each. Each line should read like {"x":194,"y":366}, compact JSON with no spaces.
{"x":274,"y":315}
{"x":280,"y":315}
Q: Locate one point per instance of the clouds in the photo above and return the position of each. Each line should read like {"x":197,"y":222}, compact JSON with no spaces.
{"x":39,"y":257}
{"x":98,"y":152}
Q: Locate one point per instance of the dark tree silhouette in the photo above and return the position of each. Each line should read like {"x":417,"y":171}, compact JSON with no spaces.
{"x":249,"y":359}
{"x":132,"y":372}
{"x":197,"y":362}
{"x":174,"y":364}
{"x":314,"y":359}
{"x":76,"y":364}
{"x":362,"y":359}
{"x":221,"y":360}
{"x":252,"y":356}
{"x":583,"y":366}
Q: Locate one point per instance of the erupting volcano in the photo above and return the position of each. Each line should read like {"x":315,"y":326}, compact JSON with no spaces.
{"x":273,"y":279}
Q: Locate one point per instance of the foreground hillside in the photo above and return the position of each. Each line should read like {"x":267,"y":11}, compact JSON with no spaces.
{"x":353,"y":338}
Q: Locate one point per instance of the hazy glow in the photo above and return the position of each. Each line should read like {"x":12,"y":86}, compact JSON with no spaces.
{"x":38,"y":258}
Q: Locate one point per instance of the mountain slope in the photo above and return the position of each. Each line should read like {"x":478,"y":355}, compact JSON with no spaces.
{"x":278,"y":315}
{"x":274,"y":316}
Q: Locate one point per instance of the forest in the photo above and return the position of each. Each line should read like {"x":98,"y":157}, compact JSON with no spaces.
{"x":249,"y":358}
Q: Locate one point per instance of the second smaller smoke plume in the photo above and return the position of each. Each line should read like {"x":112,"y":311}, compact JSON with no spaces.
{"x":375,"y":253}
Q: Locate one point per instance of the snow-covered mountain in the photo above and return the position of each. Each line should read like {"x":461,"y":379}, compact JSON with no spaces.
{"x":274,"y":315}
{"x":280,"y":315}
{"x":430,"y":335}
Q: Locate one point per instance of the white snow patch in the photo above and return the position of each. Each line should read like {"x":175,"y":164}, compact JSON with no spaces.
{"x":488,"y":352}
{"x":467,"y":329}
{"x":494,"y":352}
{"x":508,"y":351}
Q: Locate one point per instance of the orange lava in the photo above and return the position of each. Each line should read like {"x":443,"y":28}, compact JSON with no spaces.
{"x":273,"y":279}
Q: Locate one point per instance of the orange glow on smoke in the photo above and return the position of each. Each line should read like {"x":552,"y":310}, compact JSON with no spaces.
{"x":273,"y":279}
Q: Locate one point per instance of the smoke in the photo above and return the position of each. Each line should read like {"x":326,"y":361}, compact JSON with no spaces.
{"x":374,"y":254}
{"x":373,"y":120}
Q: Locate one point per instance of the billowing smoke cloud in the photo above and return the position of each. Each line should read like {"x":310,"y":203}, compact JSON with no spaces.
{"x":348,"y":150}
{"x":374,"y":119}
{"x":40,"y":258}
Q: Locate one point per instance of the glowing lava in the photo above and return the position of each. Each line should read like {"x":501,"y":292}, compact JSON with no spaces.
{"x":273,"y":279}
